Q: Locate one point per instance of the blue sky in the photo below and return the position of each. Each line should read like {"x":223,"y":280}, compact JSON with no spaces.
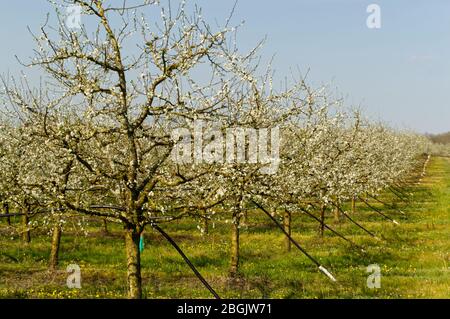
{"x":399,"y":74}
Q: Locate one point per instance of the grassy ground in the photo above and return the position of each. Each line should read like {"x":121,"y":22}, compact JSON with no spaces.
{"x":414,"y":257}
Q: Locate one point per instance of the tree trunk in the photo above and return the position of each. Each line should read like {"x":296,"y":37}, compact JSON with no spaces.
{"x":322,"y":220}
{"x":56,"y":242}
{"x":353,"y":205}
{"x":234,"y":265}
{"x":105,"y":226}
{"x":26,"y":236}
{"x":132,"y":238}
{"x":205,"y":226}
{"x":6,"y":209}
{"x":337,"y":216}
{"x":287,"y":228}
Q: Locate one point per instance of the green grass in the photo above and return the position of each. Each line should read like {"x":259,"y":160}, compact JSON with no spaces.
{"x":414,"y":257}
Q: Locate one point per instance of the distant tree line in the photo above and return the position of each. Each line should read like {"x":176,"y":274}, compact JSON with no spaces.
{"x":443,"y":138}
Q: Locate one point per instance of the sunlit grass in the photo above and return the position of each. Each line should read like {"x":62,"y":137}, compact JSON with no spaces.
{"x":414,"y":257}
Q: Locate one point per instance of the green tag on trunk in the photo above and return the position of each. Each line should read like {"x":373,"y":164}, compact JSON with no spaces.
{"x":141,"y":244}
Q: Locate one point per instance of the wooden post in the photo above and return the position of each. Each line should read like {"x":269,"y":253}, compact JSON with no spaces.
{"x":337,"y":216}
{"x":287,"y":228}
{"x":26,"y":236}
{"x":322,"y":220}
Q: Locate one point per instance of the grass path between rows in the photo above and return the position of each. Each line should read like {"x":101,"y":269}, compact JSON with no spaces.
{"x":430,"y":251}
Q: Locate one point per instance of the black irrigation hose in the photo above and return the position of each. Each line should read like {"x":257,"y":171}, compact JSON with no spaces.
{"x":399,"y":188}
{"x":321,"y":268}
{"x":378,"y":211}
{"x":396,"y":193}
{"x":186,"y":259}
{"x":10,"y":257}
{"x":10,"y":215}
{"x":388,"y":205}
{"x":398,"y":196}
{"x":22,"y":214}
{"x":354,"y":222}
{"x":32,"y":214}
{"x":333,"y":231}
{"x":169,"y":239}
